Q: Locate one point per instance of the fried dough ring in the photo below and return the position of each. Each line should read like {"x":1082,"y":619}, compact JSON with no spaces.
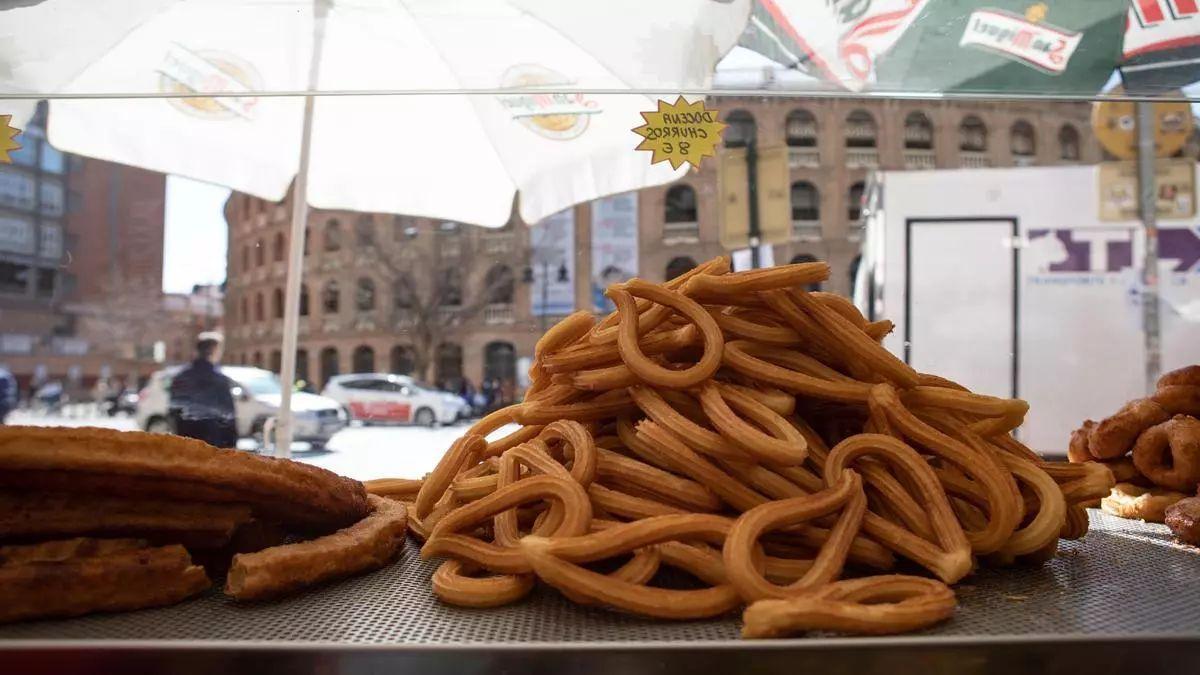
{"x":743,"y":329}
{"x":445,"y":540}
{"x":454,"y":584}
{"x":687,"y":493}
{"x":950,"y":557}
{"x":627,"y":337}
{"x":1179,"y":399}
{"x":400,"y":489}
{"x":877,"y":605}
{"x":1187,"y":376}
{"x":366,"y":545}
{"x":1139,"y":503}
{"x":846,"y":494}
{"x":1169,"y":454}
{"x":582,"y":449}
{"x":781,"y":444}
{"x":1114,"y":436}
{"x":464,"y":452}
{"x":554,"y":560}
{"x":1077,"y":449}
{"x":605,"y":332}
{"x":997,"y":486}
{"x":1051,"y":516}
{"x":869,"y":352}
{"x":703,"y":440}
{"x":742,"y":357}
{"x":750,"y":281}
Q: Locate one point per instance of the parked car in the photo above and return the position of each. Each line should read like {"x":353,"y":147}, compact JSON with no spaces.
{"x":383,"y":397}
{"x":256,"y":397}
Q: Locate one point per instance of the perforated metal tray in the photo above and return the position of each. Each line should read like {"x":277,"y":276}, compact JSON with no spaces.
{"x":1126,"y":581}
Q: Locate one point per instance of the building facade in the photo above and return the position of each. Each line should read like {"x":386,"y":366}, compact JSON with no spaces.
{"x":358,"y":314}
{"x":81,"y":256}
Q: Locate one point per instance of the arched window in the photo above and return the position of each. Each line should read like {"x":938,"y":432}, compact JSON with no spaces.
{"x":363,"y":359}
{"x":329,"y":364}
{"x":854,"y":202}
{"x":806,"y":202}
{"x":449,"y":364}
{"x":276,"y":360}
{"x":260,"y":253}
{"x":333,"y":235}
{"x":403,"y":360}
{"x":258,"y":362}
{"x":807,"y":258}
{"x":801,"y":129}
{"x":303,"y":300}
{"x":279,"y":252}
{"x":246,"y":258}
{"x":741,"y":130}
{"x":364,"y":295}
{"x":678,"y":266}
{"x":403,"y":291}
{"x":331,"y":298}
{"x":302,"y":365}
{"x":860,"y":130}
{"x":918,"y":132}
{"x":258,"y":307}
{"x":500,"y":362}
{"x":364,"y":231}
{"x":680,"y":205}
{"x":450,"y":287}
{"x":245,"y":309}
{"x":972,"y":135}
{"x":498,"y":285}
{"x":1068,"y":143}
{"x":277,"y":303}
{"x":1022,"y":139}
{"x":307,"y":239}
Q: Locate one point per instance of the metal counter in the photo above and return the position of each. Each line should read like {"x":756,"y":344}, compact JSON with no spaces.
{"x":1125,"y":599}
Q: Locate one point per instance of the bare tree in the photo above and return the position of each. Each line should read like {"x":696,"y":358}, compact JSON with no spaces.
{"x":124,"y":318}
{"x":433,"y":296}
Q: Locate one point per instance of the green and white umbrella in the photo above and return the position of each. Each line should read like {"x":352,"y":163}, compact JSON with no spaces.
{"x":996,"y":47}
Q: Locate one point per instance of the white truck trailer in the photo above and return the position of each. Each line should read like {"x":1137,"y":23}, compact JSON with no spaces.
{"x":1007,"y":281}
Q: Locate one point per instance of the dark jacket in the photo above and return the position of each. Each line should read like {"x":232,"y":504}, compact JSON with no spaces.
{"x":202,"y":406}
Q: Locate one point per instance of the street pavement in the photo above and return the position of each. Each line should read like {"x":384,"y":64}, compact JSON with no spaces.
{"x":361,"y":452}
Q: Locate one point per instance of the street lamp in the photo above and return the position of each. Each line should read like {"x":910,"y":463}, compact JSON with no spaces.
{"x":539,"y":258}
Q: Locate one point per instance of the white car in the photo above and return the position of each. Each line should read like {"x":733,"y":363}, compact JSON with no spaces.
{"x":383,"y":397}
{"x":256,"y":397}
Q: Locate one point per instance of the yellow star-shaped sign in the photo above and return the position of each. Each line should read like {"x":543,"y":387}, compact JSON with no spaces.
{"x":8,"y":135}
{"x":680,"y":133}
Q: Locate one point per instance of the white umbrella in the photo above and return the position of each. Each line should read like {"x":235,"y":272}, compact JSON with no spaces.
{"x":542,"y":119}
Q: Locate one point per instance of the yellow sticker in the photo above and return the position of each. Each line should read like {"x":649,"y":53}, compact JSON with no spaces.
{"x":680,"y":133}
{"x":8,"y":134}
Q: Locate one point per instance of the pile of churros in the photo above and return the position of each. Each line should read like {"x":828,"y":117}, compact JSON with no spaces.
{"x":99,"y":520}
{"x":729,"y":440}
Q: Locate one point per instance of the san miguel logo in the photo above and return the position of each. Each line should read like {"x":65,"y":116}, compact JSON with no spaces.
{"x":1024,"y":38}
{"x":187,"y":75}
{"x":556,"y":115}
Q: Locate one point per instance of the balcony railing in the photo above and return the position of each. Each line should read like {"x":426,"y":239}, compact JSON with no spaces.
{"x":862,"y":158}
{"x":498,"y":314}
{"x":498,"y":243}
{"x":804,"y":158}
{"x":974,"y":159}
{"x":681,"y":231}
{"x":1024,"y":160}
{"x":806,"y":230}
{"x":919,"y":159}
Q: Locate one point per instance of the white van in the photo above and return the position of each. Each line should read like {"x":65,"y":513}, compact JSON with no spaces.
{"x":256,"y":397}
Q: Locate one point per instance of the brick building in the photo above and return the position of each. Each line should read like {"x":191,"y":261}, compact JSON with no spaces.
{"x":354,"y":322}
{"x":81,"y":244}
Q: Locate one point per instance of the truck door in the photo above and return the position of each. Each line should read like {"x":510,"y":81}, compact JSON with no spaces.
{"x":961,"y":308}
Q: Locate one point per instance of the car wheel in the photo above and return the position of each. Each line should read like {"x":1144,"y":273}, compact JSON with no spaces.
{"x":425,"y":418}
{"x":158,"y":425}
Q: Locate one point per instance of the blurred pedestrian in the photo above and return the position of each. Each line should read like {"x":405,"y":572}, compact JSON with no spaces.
{"x":201,"y":403}
{"x":8,"y":393}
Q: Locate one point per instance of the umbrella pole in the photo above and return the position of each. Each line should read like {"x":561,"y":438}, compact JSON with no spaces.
{"x":291,"y":303}
{"x":1148,"y":202}
{"x":284,"y":429}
